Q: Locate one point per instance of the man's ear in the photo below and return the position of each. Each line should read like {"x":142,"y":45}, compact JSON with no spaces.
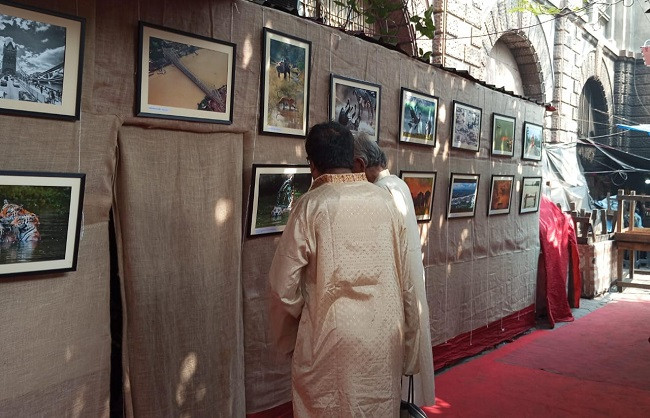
{"x":359,"y":166}
{"x":314,"y":171}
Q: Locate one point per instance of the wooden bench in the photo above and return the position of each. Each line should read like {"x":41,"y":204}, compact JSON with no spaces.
{"x":629,"y":238}
{"x":590,"y":227}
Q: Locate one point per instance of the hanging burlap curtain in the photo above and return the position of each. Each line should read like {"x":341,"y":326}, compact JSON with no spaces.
{"x":178,"y":202}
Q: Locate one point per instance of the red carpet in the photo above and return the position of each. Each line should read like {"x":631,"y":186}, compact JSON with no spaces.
{"x":609,"y":345}
{"x":471,"y":343}
{"x":598,"y":366}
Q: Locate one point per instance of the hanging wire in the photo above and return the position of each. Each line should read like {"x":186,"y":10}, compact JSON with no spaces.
{"x":580,"y":138}
{"x":616,"y":116}
{"x":583,"y":141}
{"x":623,"y":177}
{"x":594,"y":122}
{"x":565,"y":12}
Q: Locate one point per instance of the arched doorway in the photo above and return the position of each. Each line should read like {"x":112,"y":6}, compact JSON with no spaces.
{"x":593,"y":119}
{"x":513,"y":64}
{"x":593,"y":123}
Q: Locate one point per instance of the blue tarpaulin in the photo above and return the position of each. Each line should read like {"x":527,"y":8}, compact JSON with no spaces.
{"x":641,"y":128}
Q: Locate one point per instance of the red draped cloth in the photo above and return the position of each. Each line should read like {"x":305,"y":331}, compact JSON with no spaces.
{"x":559,"y":247}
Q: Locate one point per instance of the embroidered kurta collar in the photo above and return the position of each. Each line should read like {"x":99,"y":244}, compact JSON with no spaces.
{"x":382,"y":174}
{"x":338,"y":178}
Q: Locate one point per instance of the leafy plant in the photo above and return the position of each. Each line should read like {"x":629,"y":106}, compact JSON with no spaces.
{"x":540,"y":9}
{"x":378,"y":12}
{"x":424,"y":25}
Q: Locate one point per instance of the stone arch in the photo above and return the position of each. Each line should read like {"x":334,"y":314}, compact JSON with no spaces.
{"x":606,"y":81}
{"x":523,"y":34}
{"x":593,"y":110}
{"x":596,"y":76}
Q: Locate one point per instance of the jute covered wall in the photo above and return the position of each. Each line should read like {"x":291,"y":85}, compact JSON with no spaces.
{"x":194,"y":286}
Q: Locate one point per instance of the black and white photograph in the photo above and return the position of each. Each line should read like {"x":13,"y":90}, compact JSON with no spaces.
{"x":466,"y":127}
{"x":275,"y":189}
{"x":42,"y":56}
{"x":355,"y":104}
{"x":40,"y":220}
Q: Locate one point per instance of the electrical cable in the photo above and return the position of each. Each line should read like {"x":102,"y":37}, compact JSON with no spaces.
{"x":617,"y":117}
{"x":563,"y":13}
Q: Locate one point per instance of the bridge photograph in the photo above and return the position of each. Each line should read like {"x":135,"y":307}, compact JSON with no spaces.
{"x":32,"y":60}
{"x":185,"y":76}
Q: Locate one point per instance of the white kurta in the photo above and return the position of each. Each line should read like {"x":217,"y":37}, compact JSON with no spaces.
{"x":423,"y":381}
{"x":342,"y":300}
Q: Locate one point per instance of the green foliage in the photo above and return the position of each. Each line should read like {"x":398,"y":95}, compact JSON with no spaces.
{"x":293,"y":53}
{"x":374,"y":12}
{"x":535,"y":8}
{"x":377,"y":12}
{"x":38,"y":199}
{"x":425,"y":56}
{"x":424,"y":24}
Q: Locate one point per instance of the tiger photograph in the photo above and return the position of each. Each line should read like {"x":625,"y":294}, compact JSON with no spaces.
{"x":33,"y":223}
{"x":276,"y":191}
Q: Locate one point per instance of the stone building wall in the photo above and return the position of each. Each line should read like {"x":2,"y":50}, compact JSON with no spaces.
{"x":635,"y":82}
{"x":556,"y":56}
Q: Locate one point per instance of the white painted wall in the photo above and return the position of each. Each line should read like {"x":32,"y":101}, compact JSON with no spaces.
{"x":502,"y":69}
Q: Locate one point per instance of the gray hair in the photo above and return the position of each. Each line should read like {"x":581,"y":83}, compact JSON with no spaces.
{"x":368,"y":150}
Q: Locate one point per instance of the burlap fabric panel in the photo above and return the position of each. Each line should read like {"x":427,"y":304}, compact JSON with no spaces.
{"x":178,"y":208}
{"x":55,"y":333}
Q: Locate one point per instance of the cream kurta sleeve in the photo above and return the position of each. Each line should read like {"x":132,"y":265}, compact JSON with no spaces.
{"x":411,"y":312}
{"x":287,"y":269}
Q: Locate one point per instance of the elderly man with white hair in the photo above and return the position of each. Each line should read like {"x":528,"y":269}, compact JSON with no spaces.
{"x":371,"y":160}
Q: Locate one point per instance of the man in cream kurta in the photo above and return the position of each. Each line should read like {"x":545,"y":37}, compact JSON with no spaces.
{"x":342,"y":300}
{"x":371,"y":160}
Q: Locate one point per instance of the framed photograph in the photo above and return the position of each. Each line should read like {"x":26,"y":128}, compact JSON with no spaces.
{"x":286,"y":69}
{"x":274,"y":191}
{"x":503,"y":135}
{"x":463,"y":189}
{"x":42,"y":61}
{"x":532,"y":142}
{"x":188,"y":77}
{"x":466,"y":127}
{"x":418,"y":118}
{"x":500,"y":195}
{"x":531,"y":190}
{"x":355,"y":104}
{"x":422,"y":186}
{"x":40,"y":221}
